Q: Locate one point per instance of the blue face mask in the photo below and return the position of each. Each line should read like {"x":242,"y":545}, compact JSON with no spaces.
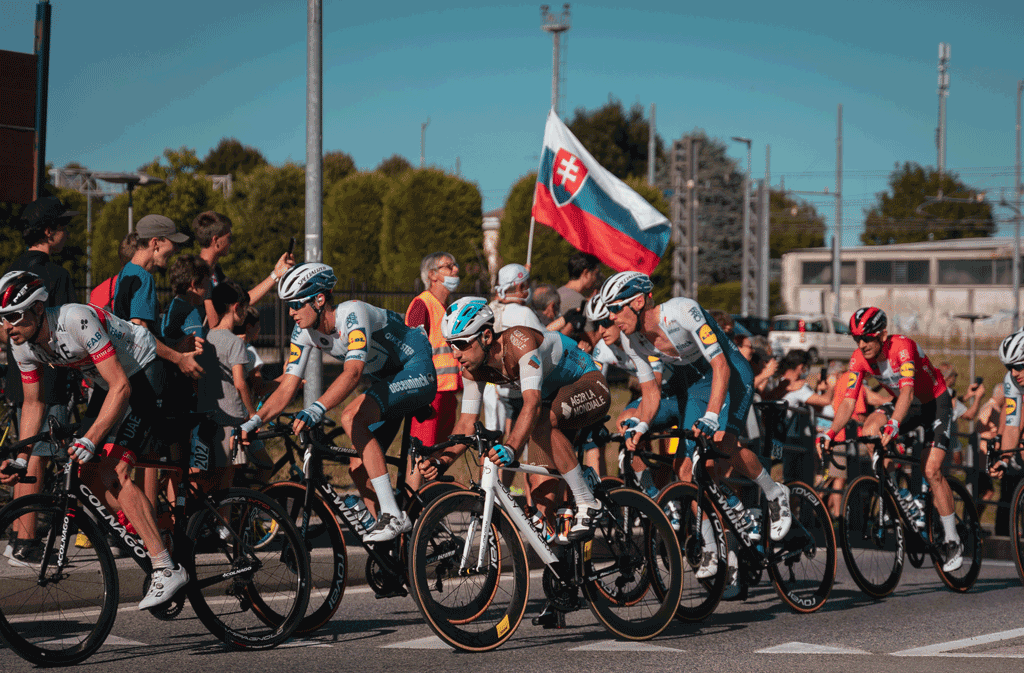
{"x":451,"y":283}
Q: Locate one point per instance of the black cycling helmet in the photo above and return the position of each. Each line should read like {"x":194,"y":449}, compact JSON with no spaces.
{"x":867,"y":321}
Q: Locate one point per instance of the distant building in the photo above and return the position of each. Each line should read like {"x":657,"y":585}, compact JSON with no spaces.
{"x":921,"y":286}
{"x":491,"y":226}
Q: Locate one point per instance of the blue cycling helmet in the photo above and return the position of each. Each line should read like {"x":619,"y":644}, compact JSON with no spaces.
{"x":304,"y":281}
{"x":466,"y":318}
{"x":625,"y":286}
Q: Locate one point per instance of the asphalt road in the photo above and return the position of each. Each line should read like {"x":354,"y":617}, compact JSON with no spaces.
{"x":921,"y":627}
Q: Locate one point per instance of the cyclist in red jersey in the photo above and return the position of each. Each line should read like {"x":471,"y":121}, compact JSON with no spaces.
{"x":898,"y":363}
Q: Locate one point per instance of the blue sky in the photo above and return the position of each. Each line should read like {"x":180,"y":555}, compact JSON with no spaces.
{"x":129,"y":80}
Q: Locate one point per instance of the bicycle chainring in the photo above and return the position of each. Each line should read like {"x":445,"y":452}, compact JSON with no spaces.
{"x":384,"y":582}
{"x":562,"y":595}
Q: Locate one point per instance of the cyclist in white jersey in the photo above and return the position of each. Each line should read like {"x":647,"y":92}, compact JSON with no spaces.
{"x":1011,"y":354}
{"x":119,"y":358}
{"x":371,"y":342}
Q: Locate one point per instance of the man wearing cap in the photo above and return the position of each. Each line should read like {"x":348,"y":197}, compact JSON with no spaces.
{"x":44,"y":225}
{"x":440,"y":275}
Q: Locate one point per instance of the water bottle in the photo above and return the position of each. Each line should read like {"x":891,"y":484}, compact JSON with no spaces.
{"x":541,"y":525}
{"x":674,"y":516}
{"x":591,"y":478}
{"x":747,"y":523}
{"x":356,"y":512}
{"x":565,"y":520}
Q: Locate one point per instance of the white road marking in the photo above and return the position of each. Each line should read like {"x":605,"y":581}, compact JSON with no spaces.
{"x":946,"y":649}
{"x":623,"y":646}
{"x":809,"y":648}
{"x":428,"y":643}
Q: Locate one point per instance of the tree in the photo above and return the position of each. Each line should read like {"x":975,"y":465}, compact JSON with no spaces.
{"x":231,"y":157}
{"x":337,"y":166}
{"x":794,"y":224}
{"x":894,"y":218}
{"x":394,"y":166}
{"x":353,"y":219}
{"x":427,"y":211}
{"x":618,"y":140}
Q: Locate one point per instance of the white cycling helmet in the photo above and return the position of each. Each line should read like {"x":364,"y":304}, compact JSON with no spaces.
{"x":509,"y":276}
{"x":466,"y":318}
{"x":595,"y":309}
{"x":1011,"y":351}
{"x":19,"y":290}
{"x":304,"y":281}
{"x":625,"y":286}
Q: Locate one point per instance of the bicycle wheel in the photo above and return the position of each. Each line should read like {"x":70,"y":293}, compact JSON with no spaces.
{"x":328,"y":555}
{"x":1017,"y":529}
{"x":698,"y":598}
{"x":916,"y":552}
{"x":804,"y":567}
{"x":65,"y":617}
{"x":427,"y":494}
{"x":873,"y":552}
{"x":969,"y":530}
{"x":633,"y":566}
{"x":249,"y":598}
{"x":472,"y":596}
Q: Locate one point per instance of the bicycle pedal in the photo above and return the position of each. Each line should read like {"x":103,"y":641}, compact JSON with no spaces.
{"x":394,"y":593}
{"x":551,"y":619}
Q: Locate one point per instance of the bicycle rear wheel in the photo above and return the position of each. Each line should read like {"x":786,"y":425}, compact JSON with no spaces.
{"x":328,"y":555}
{"x":806,"y":571}
{"x":873,"y":552}
{"x":698,"y":598}
{"x":969,"y":530}
{"x":249,"y":598}
{"x":471,"y":606}
{"x":634,"y":566}
{"x":65,"y":617}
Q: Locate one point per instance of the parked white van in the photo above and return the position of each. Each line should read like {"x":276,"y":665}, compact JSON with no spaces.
{"x":822,"y":336}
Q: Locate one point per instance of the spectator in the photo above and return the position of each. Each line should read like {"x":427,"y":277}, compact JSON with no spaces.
{"x":440,"y":275}
{"x":189,"y":276}
{"x":547,"y":304}
{"x":103,"y":294}
{"x":513,"y":308}
{"x":584,"y":278}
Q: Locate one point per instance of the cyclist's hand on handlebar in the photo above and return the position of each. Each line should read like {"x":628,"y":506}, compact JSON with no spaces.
{"x":891,"y":429}
{"x":824,"y":442}
{"x":430,"y":468}
{"x":706,"y":425}
{"x":11,"y":471}
{"x":632,"y":430}
{"x":308,"y":417}
{"x":499,"y":454}
{"x":82,"y":450}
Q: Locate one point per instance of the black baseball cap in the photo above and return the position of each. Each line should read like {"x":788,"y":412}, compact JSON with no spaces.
{"x":46,"y":211}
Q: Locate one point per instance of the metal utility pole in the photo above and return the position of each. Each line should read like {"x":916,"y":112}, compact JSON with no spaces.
{"x":1016,"y":221}
{"x":837,"y":231}
{"x":556,"y":24}
{"x":764,"y":268}
{"x":314,"y":167}
{"x":651,"y":149}
{"x":940,"y":132}
{"x":423,"y":142}
{"x":684,"y":217}
{"x":748,"y":291}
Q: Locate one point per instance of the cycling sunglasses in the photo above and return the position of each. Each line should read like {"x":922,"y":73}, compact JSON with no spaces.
{"x":865,"y":337}
{"x":462,"y":344}
{"x":604,"y":322}
{"x":616,"y":308}
{"x":1017,"y":367}
{"x":14,"y":317}
{"x":297,"y":305}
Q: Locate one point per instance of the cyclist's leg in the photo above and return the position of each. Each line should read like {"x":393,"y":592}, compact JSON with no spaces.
{"x":38,"y":463}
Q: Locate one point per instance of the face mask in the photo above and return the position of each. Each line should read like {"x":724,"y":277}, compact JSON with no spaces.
{"x":451,"y":283}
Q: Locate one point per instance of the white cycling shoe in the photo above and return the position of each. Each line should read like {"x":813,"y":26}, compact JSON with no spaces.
{"x":388,"y":527}
{"x":779,"y":515}
{"x":164,"y":583}
{"x":708,"y":565}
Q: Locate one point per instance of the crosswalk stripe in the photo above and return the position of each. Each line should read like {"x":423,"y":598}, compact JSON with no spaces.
{"x":809,"y":648}
{"x":946,"y":649}
{"x":623,"y":646}
{"x":428,"y":643}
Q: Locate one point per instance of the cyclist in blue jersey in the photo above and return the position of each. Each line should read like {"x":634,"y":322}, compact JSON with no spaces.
{"x":371,"y":342}
{"x":561,"y":390}
{"x":716,"y":378}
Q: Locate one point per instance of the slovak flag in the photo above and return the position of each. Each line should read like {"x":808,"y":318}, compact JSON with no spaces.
{"x":592,"y":209}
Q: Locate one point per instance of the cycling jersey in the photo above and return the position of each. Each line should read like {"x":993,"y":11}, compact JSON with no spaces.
{"x":1013,"y":393}
{"x":82,"y":336}
{"x":901,"y":363}
{"x":531,"y":360}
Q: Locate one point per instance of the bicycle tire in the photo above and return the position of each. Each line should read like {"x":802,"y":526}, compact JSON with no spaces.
{"x":969,"y":530}
{"x":916,"y":552}
{"x":805,"y":576}
{"x":874,"y":556}
{"x":78,"y":605}
{"x":427,"y":493}
{"x":445,"y":596}
{"x":622,"y":555}
{"x":267,"y":589}
{"x":1017,"y":529}
{"x":698,"y":598}
{"x":325,"y":542}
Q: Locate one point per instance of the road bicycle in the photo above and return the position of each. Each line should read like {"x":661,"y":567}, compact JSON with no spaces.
{"x":319,"y":512}
{"x":996,"y":456}
{"x":802,"y":566}
{"x":874,"y":526}
{"x":61,"y":610}
{"x":469,"y":574}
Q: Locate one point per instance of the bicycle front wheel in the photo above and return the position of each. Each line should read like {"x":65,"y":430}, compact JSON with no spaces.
{"x":873,"y":549}
{"x":470,"y":581}
{"x":328,"y":555}
{"x":804,"y":567}
{"x":62,"y":616}
{"x":967,"y":528}
{"x":1017,"y":529}
{"x":633,"y":566}
{"x":249,"y":598}
{"x":698,"y":597}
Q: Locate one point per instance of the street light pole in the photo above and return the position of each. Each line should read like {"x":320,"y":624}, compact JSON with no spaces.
{"x":1016,"y":221}
{"x":745,"y":269}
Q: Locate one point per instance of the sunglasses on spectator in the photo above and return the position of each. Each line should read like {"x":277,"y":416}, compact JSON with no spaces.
{"x":14,"y":317}
{"x":462,"y":344}
{"x":604,"y":322}
{"x":865,"y":337}
{"x":297,"y":305}
{"x":1017,"y":367}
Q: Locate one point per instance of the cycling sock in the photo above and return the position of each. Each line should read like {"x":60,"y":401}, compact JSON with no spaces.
{"x":162,"y":560}
{"x":768,"y":486}
{"x":385,"y":496}
{"x":949,"y":526}
{"x":574,"y":478}
{"x":707,"y":532}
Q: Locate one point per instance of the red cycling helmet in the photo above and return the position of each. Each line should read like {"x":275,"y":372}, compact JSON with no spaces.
{"x":868,"y":320}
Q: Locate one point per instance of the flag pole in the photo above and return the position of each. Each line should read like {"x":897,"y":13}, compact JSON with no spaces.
{"x":529,"y":245}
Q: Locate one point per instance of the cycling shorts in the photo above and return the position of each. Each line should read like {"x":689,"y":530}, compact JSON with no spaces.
{"x":142,"y":411}
{"x":732,"y":417}
{"x":397,"y":396}
{"x":936,"y":417}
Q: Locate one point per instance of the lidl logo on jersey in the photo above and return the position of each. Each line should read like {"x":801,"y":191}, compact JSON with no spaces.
{"x":294,"y":354}
{"x":1011,"y":406}
{"x":567,"y":177}
{"x":851,"y":382}
{"x":907,"y":370}
{"x":356,"y":340}
{"x":707,"y":335}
